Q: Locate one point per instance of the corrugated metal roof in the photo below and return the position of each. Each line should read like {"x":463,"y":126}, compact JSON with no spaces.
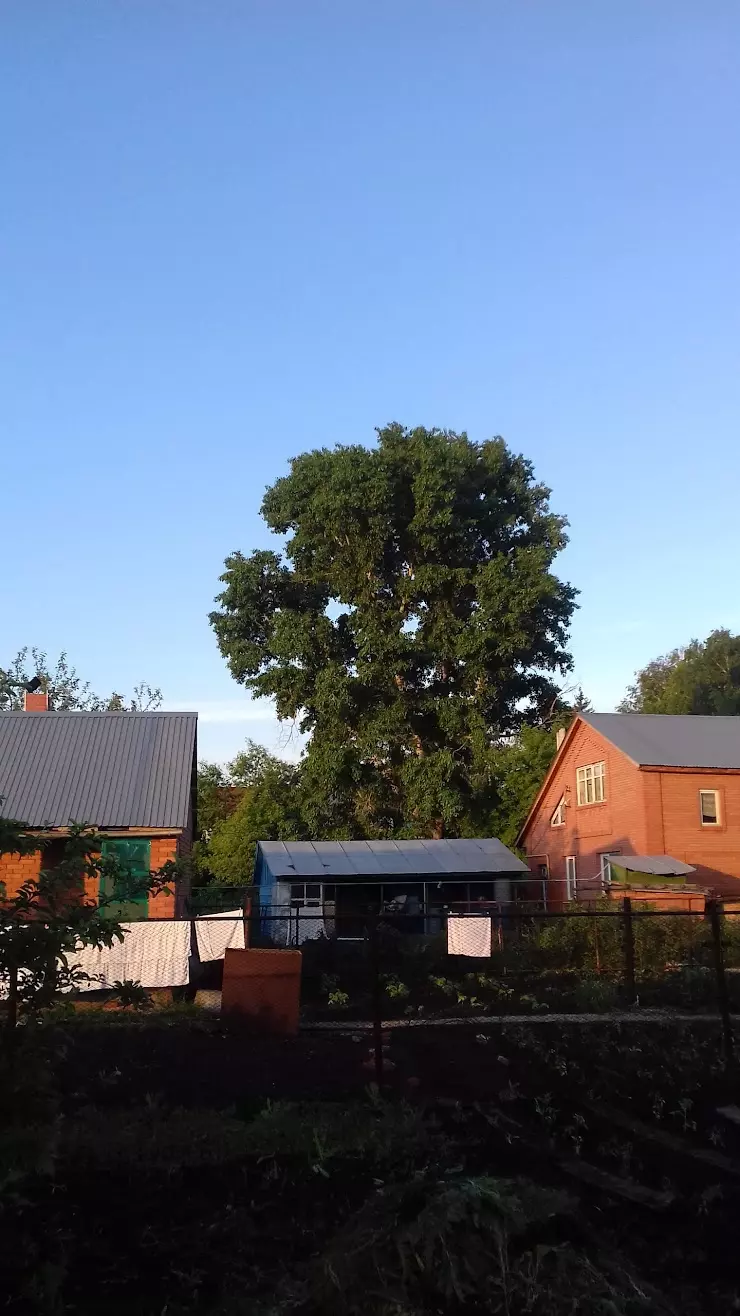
{"x":337,"y":859}
{"x":671,"y":741}
{"x":660,"y":865}
{"x":105,"y":769}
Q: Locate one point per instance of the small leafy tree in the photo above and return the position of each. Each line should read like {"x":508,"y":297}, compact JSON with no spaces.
{"x":269,"y":811}
{"x":50,"y":917}
{"x":67,"y":690}
{"x":255,"y":797}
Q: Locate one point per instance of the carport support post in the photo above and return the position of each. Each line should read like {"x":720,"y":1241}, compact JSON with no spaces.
{"x":714,"y":909}
{"x":377,"y":1000}
{"x":629,"y":952}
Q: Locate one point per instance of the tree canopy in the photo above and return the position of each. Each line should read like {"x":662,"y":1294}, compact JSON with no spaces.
{"x":702,"y":677}
{"x":65,"y":688}
{"x":269,"y":810}
{"x":411,"y":624}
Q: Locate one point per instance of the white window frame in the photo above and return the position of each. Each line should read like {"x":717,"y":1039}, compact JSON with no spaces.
{"x":606,"y":868}
{"x":717,"y":808}
{"x":557,"y":818}
{"x":302,"y":901}
{"x":571,"y":877}
{"x":591,"y":780}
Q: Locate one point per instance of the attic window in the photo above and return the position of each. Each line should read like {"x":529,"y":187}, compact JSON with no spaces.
{"x":558,"y":817}
{"x":591,"y":783}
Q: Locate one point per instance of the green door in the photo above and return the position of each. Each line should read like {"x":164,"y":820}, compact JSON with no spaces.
{"x":133,"y":855}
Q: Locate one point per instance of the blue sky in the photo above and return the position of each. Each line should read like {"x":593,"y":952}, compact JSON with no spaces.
{"x":231,"y":231}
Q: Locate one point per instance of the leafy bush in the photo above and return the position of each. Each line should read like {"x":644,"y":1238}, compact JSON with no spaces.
{"x":132,"y":995}
{"x":595,"y":994}
{"x":394,"y":988}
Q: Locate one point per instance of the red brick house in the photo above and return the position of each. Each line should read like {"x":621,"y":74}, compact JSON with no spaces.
{"x":638,"y":784}
{"x":131,"y":775}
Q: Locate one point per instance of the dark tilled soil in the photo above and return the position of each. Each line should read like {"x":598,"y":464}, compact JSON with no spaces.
{"x":206,"y":1065}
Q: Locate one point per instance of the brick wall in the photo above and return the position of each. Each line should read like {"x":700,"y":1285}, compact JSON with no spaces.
{"x":714,"y":851}
{"x":619,"y":824}
{"x":163,"y":848}
{"x":16,"y":869}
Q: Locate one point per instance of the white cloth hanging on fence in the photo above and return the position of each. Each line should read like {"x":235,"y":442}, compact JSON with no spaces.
{"x":469,"y":935}
{"x":219,"y":933}
{"x":153,"y":953}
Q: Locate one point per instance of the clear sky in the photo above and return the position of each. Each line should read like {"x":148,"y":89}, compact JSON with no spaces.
{"x":234,"y":230}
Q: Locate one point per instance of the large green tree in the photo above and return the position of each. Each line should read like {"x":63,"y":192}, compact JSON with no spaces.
{"x":270,"y":810}
{"x":255,"y":797}
{"x":411,"y":622}
{"x":65,"y":688}
{"x":702,"y":677}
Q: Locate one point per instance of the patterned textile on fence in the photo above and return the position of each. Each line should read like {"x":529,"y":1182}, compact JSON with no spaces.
{"x":219,"y":933}
{"x":469,"y":935}
{"x":153,"y":953}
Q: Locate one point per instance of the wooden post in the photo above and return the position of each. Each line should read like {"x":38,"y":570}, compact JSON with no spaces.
{"x":715,"y":919}
{"x":377,"y":999}
{"x":629,"y":952}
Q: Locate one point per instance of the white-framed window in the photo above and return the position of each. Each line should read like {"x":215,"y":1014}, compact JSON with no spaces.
{"x":570,"y":877}
{"x":606,"y":868}
{"x":709,"y":811}
{"x":306,"y":895}
{"x":558,"y":817}
{"x":591,"y":783}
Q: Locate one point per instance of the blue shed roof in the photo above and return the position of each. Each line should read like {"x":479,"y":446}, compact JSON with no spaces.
{"x":327,"y":860}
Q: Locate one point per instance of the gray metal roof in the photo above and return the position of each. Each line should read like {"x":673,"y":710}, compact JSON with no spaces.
{"x":105,"y":769}
{"x":337,"y":859}
{"x":671,"y":741}
{"x":660,"y":865}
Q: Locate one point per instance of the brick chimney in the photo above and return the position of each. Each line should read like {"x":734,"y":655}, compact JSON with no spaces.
{"x":38,"y":702}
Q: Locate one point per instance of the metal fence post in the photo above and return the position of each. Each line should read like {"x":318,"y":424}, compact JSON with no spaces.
{"x":377,"y":1001}
{"x":247,"y":919}
{"x":714,"y":908}
{"x":629,"y":952}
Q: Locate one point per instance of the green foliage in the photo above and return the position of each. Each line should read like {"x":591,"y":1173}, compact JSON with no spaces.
{"x":269,"y":811}
{"x":413,"y":624}
{"x":394,"y":988}
{"x":586,"y":945}
{"x":375,"y":1131}
{"x":212,"y":782}
{"x":519,"y":769}
{"x":702,"y":677}
{"x":132,"y":995}
{"x":596,"y":994}
{"x":65,"y":688}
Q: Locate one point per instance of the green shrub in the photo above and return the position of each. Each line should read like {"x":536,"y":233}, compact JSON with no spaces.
{"x":596,"y":994}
